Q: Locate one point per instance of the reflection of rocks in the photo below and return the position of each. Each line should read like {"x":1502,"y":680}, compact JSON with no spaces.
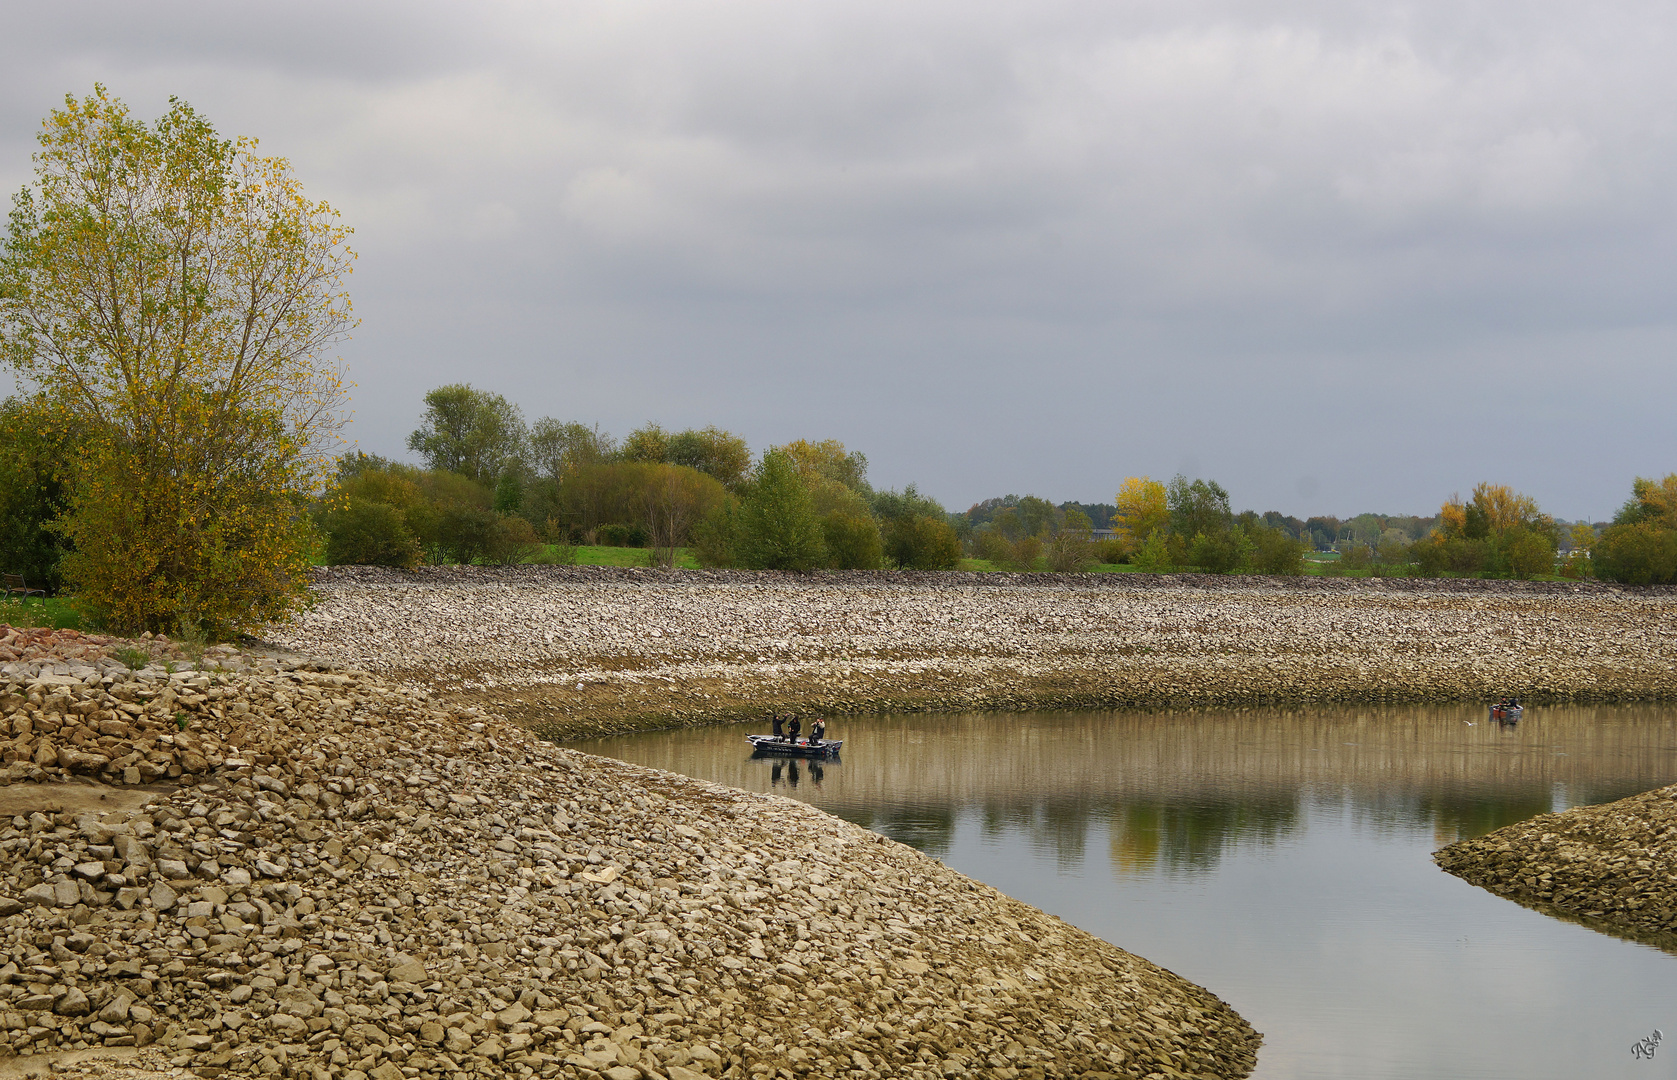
{"x":1612,"y":864}
{"x":586,"y":650}
{"x":360,"y":883}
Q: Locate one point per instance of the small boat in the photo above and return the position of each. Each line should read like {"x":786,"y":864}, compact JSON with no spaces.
{"x":1507,"y":712}
{"x":768,"y":744}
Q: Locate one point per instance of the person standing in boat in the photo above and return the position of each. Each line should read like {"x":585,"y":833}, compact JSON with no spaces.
{"x":794,"y":727}
{"x":817,"y":731}
{"x":779,"y":726}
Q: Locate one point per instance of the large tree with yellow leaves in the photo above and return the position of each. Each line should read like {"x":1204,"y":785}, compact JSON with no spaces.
{"x":176,"y":296}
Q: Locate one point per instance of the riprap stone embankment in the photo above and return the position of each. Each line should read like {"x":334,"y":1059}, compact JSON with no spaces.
{"x":1613,"y":865}
{"x":587,"y":650}
{"x":278,"y":867}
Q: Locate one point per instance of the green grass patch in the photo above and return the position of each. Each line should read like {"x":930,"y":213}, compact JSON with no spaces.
{"x":626,"y":556}
{"x":56,"y":612}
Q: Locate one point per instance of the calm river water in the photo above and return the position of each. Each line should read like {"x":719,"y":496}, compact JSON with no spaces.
{"x":1280,"y":859}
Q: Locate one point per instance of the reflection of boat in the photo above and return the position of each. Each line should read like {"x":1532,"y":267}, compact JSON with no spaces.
{"x":1507,"y":712}
{"x":768,"y":744}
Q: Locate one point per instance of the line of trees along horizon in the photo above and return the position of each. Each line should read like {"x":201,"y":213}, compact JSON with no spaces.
{"x":497,"y":490}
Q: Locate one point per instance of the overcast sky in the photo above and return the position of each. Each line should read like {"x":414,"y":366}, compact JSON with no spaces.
{"x":1339,"y":257}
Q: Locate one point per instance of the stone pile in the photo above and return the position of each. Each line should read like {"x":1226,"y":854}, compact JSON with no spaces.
{"x":1614,"y":865}
{"x":581,"y":651}
{"x":69,"y":707}
{"x":350,"y":880}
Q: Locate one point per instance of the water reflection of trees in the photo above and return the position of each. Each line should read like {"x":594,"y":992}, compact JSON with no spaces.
{"x":928,"y":829}
{"x":1176,"y":792}
{"x":1192,"y":836}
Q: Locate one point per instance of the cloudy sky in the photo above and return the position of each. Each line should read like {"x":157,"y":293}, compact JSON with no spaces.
{"x":1337,"y":256}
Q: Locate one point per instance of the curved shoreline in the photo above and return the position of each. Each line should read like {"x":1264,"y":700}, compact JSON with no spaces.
{"x":1612,"y":867}
{"x":573,"y":652}
{"x":274,"y":865}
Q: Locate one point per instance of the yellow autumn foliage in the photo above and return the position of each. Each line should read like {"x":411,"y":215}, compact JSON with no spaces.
{"x":177,"y":294}
{"x":1142,"y":511}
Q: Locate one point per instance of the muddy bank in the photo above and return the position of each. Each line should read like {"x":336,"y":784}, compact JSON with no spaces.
{"x":585,"y":650}
{"x":264,"y":867}
{"x":1612,"y":866}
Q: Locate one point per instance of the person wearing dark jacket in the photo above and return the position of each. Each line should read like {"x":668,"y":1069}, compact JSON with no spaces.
{"x":794,"y":727}
{"x":779,"y":726}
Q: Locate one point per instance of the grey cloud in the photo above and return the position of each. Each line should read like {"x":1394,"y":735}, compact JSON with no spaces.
{"x":1026,"y":247}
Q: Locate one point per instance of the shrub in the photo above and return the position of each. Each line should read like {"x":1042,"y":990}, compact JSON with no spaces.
{"x":1639,"y":554}
{"x":716,"y":539}
{"x":1274,"y":552}
{"x":464,"y":534}
{"x":36,"y":451}
{"x":156,"y":548}
{"x":360,"y":532}
{"x":1153,"y":557}
{"x":922,"y":542}
{"x":1528,"y":554}
{"x":992,"y":546}
{"x":511,"y":541}
{"x":778,"y":526}
{"x":620,"y":535}
{"x":852,"y":541}
{"x":1111,"y":551}
{"x":1216,"y":552}
{"x":1070,"y":552}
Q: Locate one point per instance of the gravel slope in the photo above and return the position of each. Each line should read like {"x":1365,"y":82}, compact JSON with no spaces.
{"x":1613,"y":865}
{"x":337,"y":877}
{"x":588,"y":650}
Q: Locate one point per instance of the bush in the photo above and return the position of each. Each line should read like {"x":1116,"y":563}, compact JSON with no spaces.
{"x":1636,"y":555}
{"x":1070,"y":552}
{"x":1216,"y":552}
{"x":852,"y":541}
{"x":1356,"y":557}
{"x":716,"y":539}
{"x":778,"y":526}
{"x":35,"y":456}
{"x":1274,"y":552}
{"x":1153,"y":557}
{"x":511,"y":541}
{"x":991,"y":546}
{"x":922,"y":542}
{"x":619,"y":535}
{"x":1112,"y":551}
{"x":360,"y":532}
{"x":157,"y":548}
{"x":464,"y":534}
{"x":1528,"y":554}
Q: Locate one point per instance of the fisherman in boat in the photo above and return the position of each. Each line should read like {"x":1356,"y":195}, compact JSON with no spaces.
{"x":817,"y":732}
{"x":794,"y":727}
{"x":779,"y":725}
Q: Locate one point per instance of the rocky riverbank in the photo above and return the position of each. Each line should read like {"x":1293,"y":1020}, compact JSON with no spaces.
{"x":272,"y":866}
{"x":580,"y":651}
{"x":1614,"y":865}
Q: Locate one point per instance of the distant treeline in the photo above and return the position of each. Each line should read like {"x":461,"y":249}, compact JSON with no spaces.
{"x":1189,"y":525}
{"x":495,"y":489}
